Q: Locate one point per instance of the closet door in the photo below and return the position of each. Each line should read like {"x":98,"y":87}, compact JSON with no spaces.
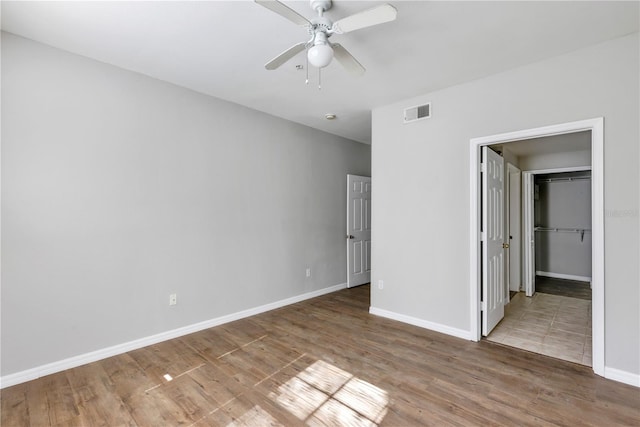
{"x":493,"y":244}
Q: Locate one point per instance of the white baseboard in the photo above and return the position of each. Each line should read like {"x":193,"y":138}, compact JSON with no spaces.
{"x":622,"y":376}
{"x":83,"y":359}
{"x":563,"y":276}
{"x":437,"y":327}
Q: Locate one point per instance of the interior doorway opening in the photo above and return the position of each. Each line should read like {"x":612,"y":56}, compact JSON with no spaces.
{"x":594,"y":127}
{"x":553,"y":316}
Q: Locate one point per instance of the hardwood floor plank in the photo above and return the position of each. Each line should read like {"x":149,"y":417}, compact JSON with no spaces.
{"x":272,"y":383}
{"x":172,"y":357}
{"x":563,"y":287}
{"x":14,"y":410}
{"x":126,"y":375}
{"x":323,"y":361}
{"x":256,"y":410}
{"x":96,"y":401}
{"x":415,"y":401}
{"x":270,"y":354}
{"x":210,"y":343}
{"x":243,"y":331}
{"x":156,"y":408}
{"x":239,"y":365}
{"x":622,"y":395}
{"x":480,"y":401}
{"x":187,"y":394}
{"x":216,"y":418}
{"x":217,"y":384}
{"x":53,"y":402}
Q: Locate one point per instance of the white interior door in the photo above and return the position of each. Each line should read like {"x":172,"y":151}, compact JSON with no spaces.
{"x":529,"y":246}
{"x":493,"y":226}
{"x":358,"y":230}
{"x":515,"y":202}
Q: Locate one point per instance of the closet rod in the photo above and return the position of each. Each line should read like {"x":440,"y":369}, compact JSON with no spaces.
{"x":577,"y":178}
{"x":580,"y":231}
{"x":563,"y":230}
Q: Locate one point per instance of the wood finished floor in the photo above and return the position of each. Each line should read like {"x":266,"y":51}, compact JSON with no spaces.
{"x":563,"y":287}
{"x":324,"y":361}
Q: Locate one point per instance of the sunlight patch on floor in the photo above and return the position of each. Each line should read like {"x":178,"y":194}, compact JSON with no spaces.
{"x":324,"y":394}
{"x":255,"y":416}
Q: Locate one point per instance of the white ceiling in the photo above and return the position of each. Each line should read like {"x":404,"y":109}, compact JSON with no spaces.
{"x":220,"y":47}
{"x":566,"y":143}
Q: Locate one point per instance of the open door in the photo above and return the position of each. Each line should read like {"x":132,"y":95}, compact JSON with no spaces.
{"x":528,"y":190}
{"x":493,"y":243}
{"x":358,"y":230}
{"x":514,"y":180}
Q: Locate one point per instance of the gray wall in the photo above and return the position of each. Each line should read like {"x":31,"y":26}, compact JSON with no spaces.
{"x":563,"y":204}
{"x":509,"y":157}
{"x":118,"y":189}
{"x":555,"y":160}
{"x":421,"y":179}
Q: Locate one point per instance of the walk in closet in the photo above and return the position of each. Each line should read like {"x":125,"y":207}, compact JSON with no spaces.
{"x":563,"y":225}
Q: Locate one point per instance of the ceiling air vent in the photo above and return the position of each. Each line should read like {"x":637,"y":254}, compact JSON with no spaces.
{"x":417,"y":113}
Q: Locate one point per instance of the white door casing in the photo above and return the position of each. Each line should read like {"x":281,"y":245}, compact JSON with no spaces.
{"x":528,"y":203}
{"x":529,"y":235}
{"x":596,"y":126}
{"x":358,"y":230}
{"x":515,"y":274}
{"x":493,"y":226}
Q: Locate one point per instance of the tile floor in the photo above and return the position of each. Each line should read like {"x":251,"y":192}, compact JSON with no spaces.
{"x":552,"y":325}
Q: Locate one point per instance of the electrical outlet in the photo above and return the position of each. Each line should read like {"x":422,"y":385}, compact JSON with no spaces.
{"x":380,"y":284}
{"x":173,"y":299}
{"x":308,"y":272}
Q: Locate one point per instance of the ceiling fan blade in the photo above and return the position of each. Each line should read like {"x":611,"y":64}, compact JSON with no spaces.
{"x":285,"y":56}
{"x":367,"y":18}
{"x":284,"y":11}
{"x":347,"y":60}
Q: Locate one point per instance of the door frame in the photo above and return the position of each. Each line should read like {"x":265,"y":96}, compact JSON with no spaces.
{"x":596,"y":126}
{"x":528,"y":242}
{"x":513,"y":202}
{"x":529,"y":253}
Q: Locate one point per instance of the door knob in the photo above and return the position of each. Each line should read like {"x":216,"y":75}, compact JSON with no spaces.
{"x":350,"y":236}
{"x":505,"y":246}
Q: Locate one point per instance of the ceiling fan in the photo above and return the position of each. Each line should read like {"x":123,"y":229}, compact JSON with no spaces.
{"x":320,"y":51}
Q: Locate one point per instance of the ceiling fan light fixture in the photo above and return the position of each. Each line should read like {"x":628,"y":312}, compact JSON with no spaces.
{"x":320,"y":55}
{"x":319,"y":51}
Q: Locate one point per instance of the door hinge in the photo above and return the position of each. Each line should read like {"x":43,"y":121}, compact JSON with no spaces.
{"x":483,"y":167}
{"x":483,"y":306}
{"x":482,"y":236}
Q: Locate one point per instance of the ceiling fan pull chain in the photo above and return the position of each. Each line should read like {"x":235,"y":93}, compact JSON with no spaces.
{"x":307,"y":70}
{"x":319,"y":78}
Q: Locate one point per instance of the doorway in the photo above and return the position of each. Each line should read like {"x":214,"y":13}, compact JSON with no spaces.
{"x":558,"y":204}
{"x":595,"y":126}
{"x":358,"y":230}
{"x":554,"y":318}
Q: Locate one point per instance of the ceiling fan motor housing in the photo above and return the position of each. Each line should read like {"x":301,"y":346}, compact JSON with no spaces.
{"x":321,"y":24}
{"x":321,"y":38}
{"x":323,"y":5}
